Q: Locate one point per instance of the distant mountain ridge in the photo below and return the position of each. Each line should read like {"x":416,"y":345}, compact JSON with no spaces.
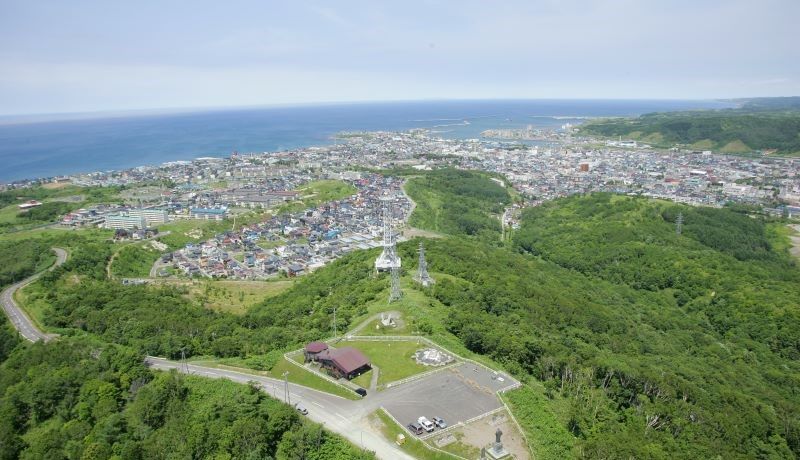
{"x":758,"y":125}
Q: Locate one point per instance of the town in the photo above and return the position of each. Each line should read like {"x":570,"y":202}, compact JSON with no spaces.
{"x":295,"y":211}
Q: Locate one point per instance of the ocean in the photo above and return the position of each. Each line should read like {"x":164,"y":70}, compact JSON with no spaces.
{"x":51,"y":148}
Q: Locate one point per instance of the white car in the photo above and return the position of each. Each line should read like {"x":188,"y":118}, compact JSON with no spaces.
{"x":427,"y":424}
{"x":301,"y":408}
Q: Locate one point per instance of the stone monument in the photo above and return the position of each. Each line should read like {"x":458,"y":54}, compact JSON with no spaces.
{"x":497,"y":451}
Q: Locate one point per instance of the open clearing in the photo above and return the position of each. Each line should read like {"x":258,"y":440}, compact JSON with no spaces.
{"x":232,"y":296}
{"x":393,"y":358}
{"x":795,"y":239}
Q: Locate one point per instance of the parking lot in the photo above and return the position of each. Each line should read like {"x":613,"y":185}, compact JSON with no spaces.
{"x":457,"y":394}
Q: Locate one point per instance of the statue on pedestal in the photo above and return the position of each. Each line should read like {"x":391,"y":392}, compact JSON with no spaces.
{"x":498,"y":445}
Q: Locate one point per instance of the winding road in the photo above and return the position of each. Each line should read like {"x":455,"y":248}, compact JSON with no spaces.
{"x":342,"y":416}
{"x":345,"y":417}
{"x":348,"y":418}
{"x":19,"y":319}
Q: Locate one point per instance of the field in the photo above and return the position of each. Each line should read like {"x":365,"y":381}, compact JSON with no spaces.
{"x":191,"y":231}
{"x":235,"y":296}
{"x":393,"y":358}
{"x":317,"y":192}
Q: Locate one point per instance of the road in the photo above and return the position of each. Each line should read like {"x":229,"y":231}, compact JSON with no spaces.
{"x":345,"y":417}
{"x":342,"y":416}
{"x":18,"y":318}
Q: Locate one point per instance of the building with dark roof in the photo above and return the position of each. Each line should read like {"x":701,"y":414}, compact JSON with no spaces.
{"x":313,"y":349}
{"x":345,"y":362}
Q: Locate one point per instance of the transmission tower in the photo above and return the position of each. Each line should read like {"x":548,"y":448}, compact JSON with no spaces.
{"x":679,"y":223}
{"x":388,"y":258}
{"x":395,"y":293}
{"x":422,"y":277}
{"x":184,"y":364}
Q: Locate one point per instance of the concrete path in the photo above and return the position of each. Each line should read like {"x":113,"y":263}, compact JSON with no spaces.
{"x":19,"y":319}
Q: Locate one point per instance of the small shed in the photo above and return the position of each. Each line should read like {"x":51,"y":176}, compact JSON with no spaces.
{"x":313,"y":349}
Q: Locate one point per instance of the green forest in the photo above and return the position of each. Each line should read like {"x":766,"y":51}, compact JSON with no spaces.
{"x":633,"y":341}
{"x":86,"y":399}
{"x":458,"y":203}
{"x":730,"y":131}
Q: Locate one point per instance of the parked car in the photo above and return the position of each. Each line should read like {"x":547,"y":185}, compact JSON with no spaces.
{"x":301,"y":408}
{"x":416,"y":428}
{"x":361,"y":391}
{"x":439,"y":422}
{"x":426,"y":424}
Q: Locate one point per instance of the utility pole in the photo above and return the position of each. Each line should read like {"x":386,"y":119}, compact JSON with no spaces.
{"x":335,"y":331}
{"x":286,"y":390}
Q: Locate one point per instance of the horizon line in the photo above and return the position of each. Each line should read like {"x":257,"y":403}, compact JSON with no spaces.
{"x":45,"y":117}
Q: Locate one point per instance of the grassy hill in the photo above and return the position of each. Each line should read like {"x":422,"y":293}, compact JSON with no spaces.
{"x":634,"y":342}
{"x":729,"y":131}
{"x":457,"y":203}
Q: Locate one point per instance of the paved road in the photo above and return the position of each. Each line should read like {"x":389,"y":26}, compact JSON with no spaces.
{"x":343,"y":416}
{"x":18,"y":318}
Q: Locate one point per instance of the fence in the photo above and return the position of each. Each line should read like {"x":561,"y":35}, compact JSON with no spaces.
{"x":420,"y":438}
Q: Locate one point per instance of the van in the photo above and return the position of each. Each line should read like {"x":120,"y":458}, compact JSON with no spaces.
{"x":416,"y":428}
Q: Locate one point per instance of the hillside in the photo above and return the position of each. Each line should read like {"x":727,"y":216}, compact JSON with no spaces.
{"x":81,"y":398}
{"x":634,"y":341}
{"x":729,"y":131}
{"x":457,"y":202}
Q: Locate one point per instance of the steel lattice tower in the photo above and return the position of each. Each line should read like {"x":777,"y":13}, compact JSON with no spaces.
{"x":679,"y":223}
{"x":422,"y":277}
{"x":395,"y":293}
{"x":388,"y":259}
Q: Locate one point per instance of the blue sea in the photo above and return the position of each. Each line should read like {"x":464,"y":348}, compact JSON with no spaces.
{"x":30,"y":149}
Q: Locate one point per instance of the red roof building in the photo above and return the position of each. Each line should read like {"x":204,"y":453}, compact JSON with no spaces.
{"x":345,"y":362}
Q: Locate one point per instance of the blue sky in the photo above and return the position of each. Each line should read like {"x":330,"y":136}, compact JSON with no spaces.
{"x":76,"y":56}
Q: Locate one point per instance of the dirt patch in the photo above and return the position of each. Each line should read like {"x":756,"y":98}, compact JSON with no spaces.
{"x":413,"y":232}
{"x":481,"y":434}
{"x":795,"y":239}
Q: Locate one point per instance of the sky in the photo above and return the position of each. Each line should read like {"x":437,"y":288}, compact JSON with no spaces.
{"x":84,"y":56}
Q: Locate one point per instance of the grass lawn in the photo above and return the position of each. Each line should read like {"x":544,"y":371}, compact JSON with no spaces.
{"x":264,"y":243}
{"x":191,"y":231}
{"x":236,"y":296}
{"x":296,"y":375}
{"x":363,"y":380}
{"x":393,"y":358}
{"x":412,"y":446}
{"x":321,"y":191}
{"x":317,"y":192}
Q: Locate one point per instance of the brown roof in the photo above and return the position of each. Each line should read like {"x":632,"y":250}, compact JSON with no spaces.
{"x":316,"y":347}
{"x":347,"y":359}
